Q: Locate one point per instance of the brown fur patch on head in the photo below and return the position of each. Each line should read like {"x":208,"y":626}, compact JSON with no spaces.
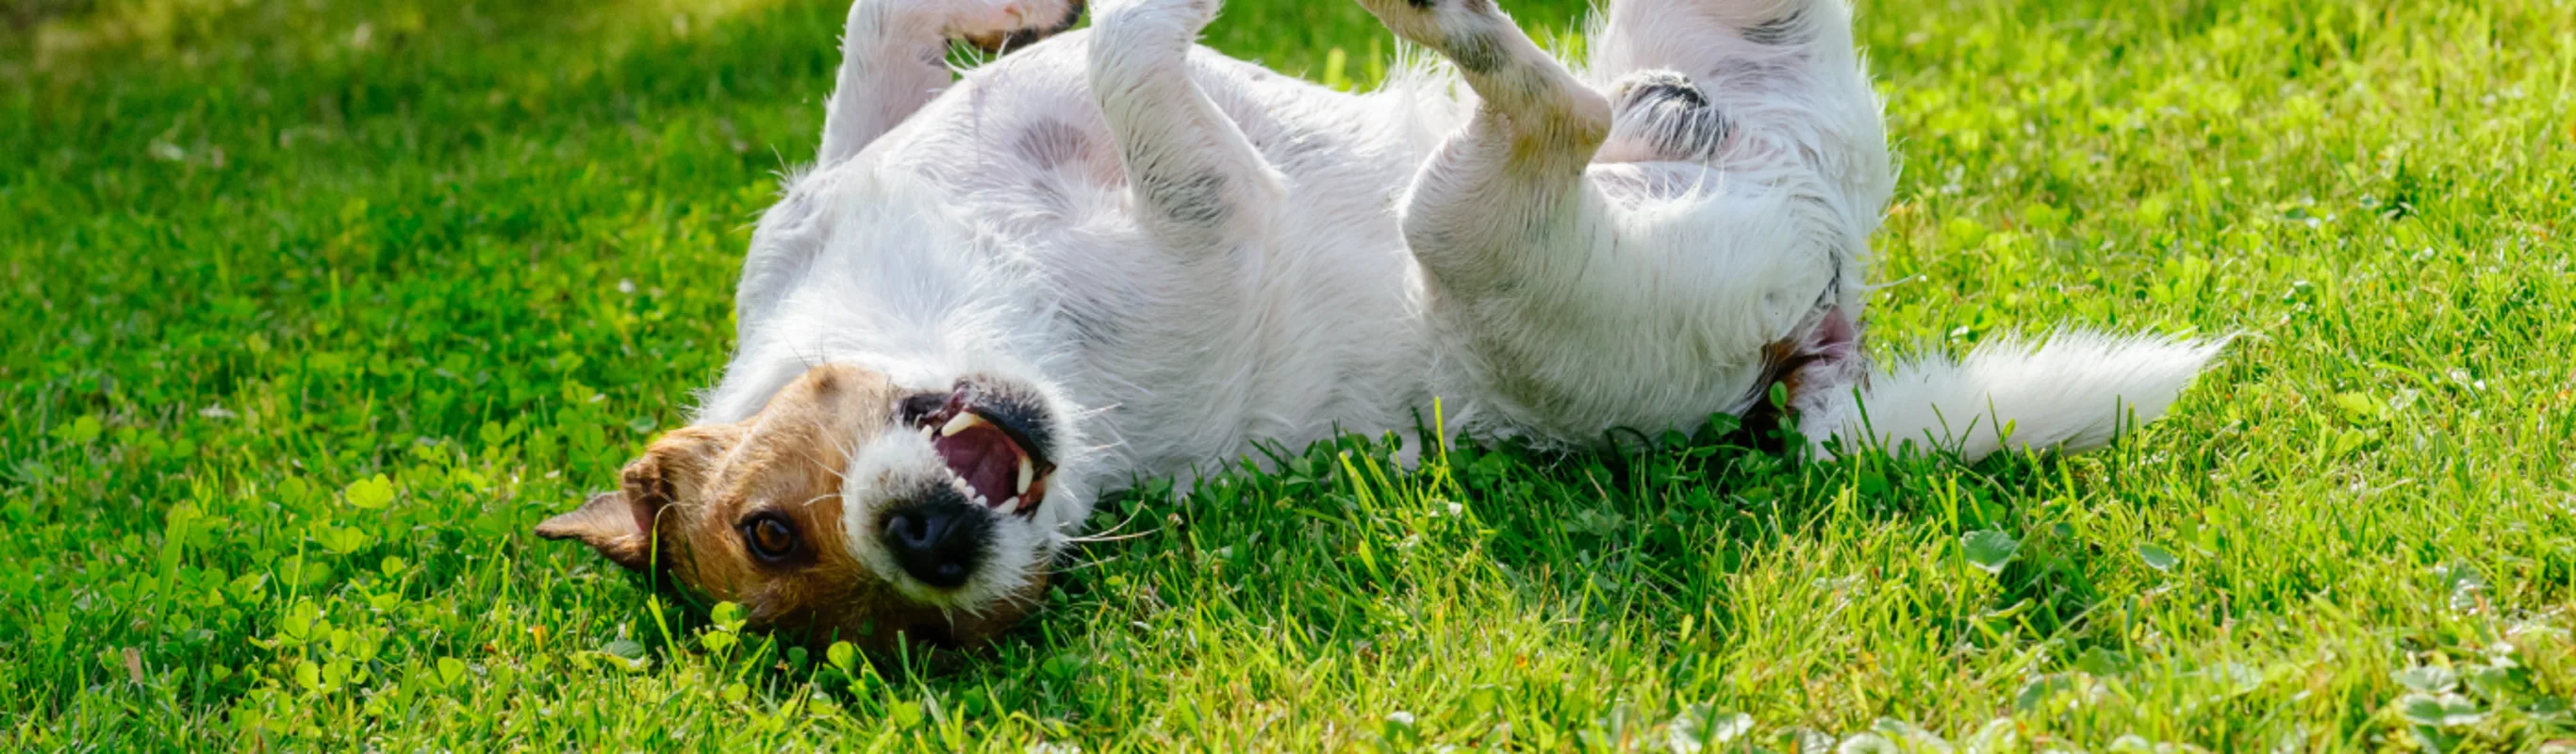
{"x":698,"y":489}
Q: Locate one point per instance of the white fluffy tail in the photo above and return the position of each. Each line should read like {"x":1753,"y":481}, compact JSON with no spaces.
{"x":2071,"y":390}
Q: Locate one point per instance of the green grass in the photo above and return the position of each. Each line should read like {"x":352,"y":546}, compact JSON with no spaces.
{"x":315,"y":308}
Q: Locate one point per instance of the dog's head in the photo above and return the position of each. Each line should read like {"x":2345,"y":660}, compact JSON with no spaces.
{"x":849,"y":508}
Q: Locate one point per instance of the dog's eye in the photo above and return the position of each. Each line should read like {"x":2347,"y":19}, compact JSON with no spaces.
{"x":770,"y":536}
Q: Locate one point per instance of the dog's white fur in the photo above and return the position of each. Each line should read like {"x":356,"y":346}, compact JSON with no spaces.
{"x":1185,"y":254}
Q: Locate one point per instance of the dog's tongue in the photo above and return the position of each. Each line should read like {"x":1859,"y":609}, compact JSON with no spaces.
{"x":985,"y":456}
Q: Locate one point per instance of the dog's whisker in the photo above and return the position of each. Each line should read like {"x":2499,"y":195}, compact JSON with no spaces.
{"x":1084,"y":565}
{"x":826,"y":466}
{"x":1122,"y":523}
{"x":1096,"y":539}
{"x":1024,"y":603}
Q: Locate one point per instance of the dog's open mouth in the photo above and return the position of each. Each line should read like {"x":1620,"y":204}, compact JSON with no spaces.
{"x":991,"y":449}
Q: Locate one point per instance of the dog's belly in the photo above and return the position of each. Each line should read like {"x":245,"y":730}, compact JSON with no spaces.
{"x":1317,"y":328}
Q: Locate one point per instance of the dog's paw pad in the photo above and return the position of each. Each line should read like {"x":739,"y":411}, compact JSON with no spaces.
{"x":1444,"y":25}
{"x":994,"y":25}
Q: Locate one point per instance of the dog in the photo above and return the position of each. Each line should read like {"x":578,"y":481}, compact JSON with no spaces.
{"x":1113,"y":254}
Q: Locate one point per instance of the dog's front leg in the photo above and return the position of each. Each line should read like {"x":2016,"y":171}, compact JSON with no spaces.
{"x":1510,"y":188}
{"x":894,"y":52}
{"x":1197,"y":183}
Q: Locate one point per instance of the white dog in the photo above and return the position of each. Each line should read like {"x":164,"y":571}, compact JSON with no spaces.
{"x":1114,"y":253}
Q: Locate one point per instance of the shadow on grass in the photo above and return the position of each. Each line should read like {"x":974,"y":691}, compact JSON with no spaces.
{"x":1633,"y":540}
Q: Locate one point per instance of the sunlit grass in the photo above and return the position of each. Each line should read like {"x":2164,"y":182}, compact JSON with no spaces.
{"x":315,"y":308}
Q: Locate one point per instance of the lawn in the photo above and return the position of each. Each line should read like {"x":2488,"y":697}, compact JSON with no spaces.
{"x":315,"y":308}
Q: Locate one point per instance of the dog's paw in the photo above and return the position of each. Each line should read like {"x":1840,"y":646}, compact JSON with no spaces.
{"x":997,"y":25}
{"x":1466,"y":31}
{"x":1658,"y":115}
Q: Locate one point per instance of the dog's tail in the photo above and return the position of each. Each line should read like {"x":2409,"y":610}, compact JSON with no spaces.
{"x":2073,"y":390}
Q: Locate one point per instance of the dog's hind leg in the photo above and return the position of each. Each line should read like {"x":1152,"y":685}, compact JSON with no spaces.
{"x":1703,"y":38}
{"x":1756,"y":88}
{"x":894,"y":58}
{"x":1579,"y":296}
{"x":1197,"y":183}
{"x":1768,"y":94}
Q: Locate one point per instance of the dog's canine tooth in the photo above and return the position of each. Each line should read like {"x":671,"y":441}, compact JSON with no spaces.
{"x":963,"y":420}
{"x":1011,"y":504}
{"x":1028,"y":473}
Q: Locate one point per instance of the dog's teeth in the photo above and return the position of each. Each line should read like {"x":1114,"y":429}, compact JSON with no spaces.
{"x":1011,"y":504}
{"x":1028,"y":473}
{"x":963,"y":420}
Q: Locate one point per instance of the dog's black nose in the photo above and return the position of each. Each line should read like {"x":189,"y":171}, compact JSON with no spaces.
{"x":940,"y":541}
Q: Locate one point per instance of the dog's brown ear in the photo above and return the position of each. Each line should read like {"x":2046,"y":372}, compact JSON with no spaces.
{"x":609,"y":523}
{"x":620,"y":524}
